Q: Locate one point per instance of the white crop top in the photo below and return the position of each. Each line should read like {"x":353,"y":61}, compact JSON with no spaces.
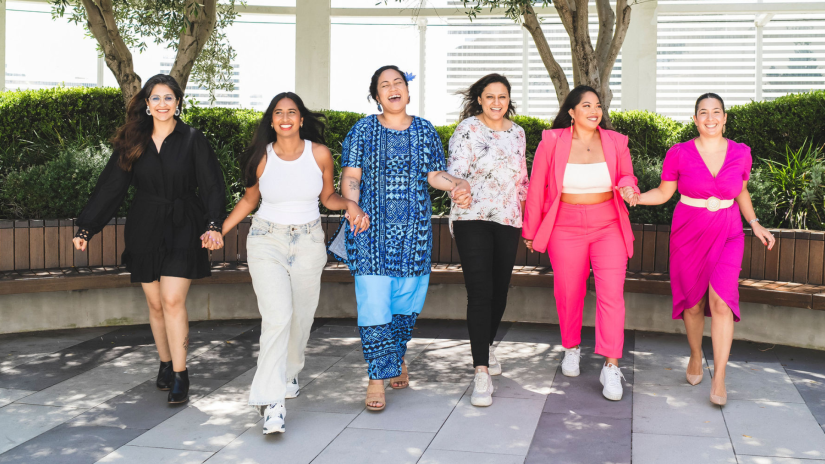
{"x":586,"y":178}
{"x":290,"y":189}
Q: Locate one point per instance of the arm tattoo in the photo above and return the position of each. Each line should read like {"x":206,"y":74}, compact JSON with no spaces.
{"x":353,"y":185}
{"x":444,"y":176}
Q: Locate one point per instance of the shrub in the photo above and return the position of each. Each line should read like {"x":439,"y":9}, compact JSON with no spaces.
{"x":650,"y":134}
{"x":769,"y":126}
{"x":796,"y":187}
{"x":58,"y":188}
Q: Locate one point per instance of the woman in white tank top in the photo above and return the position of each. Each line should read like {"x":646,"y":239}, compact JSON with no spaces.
{"x":288,"y":169}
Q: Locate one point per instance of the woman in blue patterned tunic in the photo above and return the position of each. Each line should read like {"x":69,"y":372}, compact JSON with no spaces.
{"x":388,"y":162}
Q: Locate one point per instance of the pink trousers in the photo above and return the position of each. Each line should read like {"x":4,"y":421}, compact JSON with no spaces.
{"x":585,"y":236}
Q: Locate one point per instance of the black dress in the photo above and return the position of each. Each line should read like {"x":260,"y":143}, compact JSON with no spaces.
{"x":179,"y":195}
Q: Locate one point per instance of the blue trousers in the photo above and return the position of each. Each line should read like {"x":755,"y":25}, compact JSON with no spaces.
{"x":387,"y":310}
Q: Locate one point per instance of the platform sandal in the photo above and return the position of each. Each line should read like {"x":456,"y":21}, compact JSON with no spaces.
{"x":375,"y":394}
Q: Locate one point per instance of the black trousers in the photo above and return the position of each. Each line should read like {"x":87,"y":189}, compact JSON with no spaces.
{"x":488,"y":252}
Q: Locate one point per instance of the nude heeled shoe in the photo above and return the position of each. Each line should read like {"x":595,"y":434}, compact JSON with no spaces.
{"x":718,"y":400}
{"x":694,"y":379}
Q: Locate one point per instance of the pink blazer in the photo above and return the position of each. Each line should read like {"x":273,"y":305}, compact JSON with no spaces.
{"x":544,"y":193}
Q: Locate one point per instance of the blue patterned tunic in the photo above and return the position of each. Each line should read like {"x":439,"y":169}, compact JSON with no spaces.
{"x":394,"y":192}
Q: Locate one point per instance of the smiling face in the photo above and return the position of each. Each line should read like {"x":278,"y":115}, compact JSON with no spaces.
{"x":393,"y":94}
{"x":710,"y":118}
{"x":286,"y":119}
{"x":588,"y":113}
{"x":494,"y":101}
{"x":162,"y":102}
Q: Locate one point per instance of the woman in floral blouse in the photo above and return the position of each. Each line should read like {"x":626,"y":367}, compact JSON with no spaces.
{"x":488,"y":150}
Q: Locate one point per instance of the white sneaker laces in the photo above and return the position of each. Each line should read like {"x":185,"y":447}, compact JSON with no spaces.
{"x":481,"y":382}
{"x":570,"y":356}
{"x":613,"y":375}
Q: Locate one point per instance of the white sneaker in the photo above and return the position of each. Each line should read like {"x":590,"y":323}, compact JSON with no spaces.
{"x":292,"y":389}
{"x":611,"y":377}
{"x":570,"y":363}
{"x":483,"y":390}
{"x":274,"y":418}
{"x":493,"y":366}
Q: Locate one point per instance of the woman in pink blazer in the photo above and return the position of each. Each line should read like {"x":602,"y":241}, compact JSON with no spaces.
{"x":575,"y":212}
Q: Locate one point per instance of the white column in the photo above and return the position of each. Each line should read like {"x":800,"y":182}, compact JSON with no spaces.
{"x":639,"y":58}
{"x":313,"y":41}
{"x":101,"y":69}
{"x":760,"y":23}
{"x":422,"y":66}
{"x":3,"y":45}
{"x":525,"y":73}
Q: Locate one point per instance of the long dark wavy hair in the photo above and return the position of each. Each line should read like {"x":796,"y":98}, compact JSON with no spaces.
{"x":312,"y":130}
{"x":135,"y":135}
{"x":563,"y":119}
{"x":374,"y":82}
{"x":471,"y":107}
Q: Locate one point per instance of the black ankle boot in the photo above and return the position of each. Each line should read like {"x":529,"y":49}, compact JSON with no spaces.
{"x":180,"y":389}
{"x":166,"y":376}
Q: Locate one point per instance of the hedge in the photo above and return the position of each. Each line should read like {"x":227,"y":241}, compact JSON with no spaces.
{"x":46,"y":132}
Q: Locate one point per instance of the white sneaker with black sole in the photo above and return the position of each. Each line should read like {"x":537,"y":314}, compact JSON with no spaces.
{"x":570,"y":363}
{"x":292,"y":389}
{"x":274,"y":416}
{"x":493,"y":366}
{"x":611,"y":377}
{"x":482,"y":390}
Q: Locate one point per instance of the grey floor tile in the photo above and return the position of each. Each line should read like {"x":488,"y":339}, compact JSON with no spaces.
{"x":18,"y":349}
{"x":574,"y":439}
{"x":208,"y":424}
{"x":582,"y":395}
{"x":70,"y":444}
{"x":143,"y":455}
{"x":144,"y":406}
{"x":10,"y":396}
{"x":445,"y":360}
{"x":308,"y":433}
{"x":335,"y":331}
{"x":313,"y":367}
{"x":22,"y":422}
{"x":760,"y":382}
{"x":774,"y":460}
{"x":763,"y":428}
{"x":528,"y":370}
{"x":88,"y":389}
{"x":548,"y":334}
{"x":672,"y":449}
{"x":339,"y":390}
{"x":682,"y":410}
{"x":421,"y":407}
{"x":506,"y":427}
{"x":433,"y":456}
{"x":744,"y":351}
{"x":809,"y":380}
{"x":336,"y":347}
{"x":366,"y":446}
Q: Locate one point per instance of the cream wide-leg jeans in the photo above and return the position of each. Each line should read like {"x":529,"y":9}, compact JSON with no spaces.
{"x":285,"y":262}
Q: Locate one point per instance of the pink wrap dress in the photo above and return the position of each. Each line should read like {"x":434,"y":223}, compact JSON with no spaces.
{"x":706,"y":247}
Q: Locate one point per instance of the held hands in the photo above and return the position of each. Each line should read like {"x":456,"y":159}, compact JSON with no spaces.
{"x":359,"y":221}
{"x":461,"y":195}
{"x":764,"y":235}
{"x":529,"y":245}
{"x":629,"y":195}
{"x":212,"y":240}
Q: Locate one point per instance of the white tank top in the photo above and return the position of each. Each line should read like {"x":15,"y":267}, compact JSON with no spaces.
{"x":586,"y":178}
{"x":290,"y":189}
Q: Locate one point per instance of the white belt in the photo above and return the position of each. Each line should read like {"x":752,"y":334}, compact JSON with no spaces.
{"x":712,"y":203}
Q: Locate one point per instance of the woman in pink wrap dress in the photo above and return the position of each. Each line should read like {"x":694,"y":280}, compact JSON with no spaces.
{"x":707,"y":241}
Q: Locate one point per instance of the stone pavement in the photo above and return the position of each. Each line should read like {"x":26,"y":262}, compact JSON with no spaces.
{"x":88,"y":395}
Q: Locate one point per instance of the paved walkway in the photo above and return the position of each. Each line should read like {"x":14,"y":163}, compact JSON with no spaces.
{"x":88,"y":395}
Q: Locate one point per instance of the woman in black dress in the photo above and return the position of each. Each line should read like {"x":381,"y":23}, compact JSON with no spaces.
{"x":179,"y":196}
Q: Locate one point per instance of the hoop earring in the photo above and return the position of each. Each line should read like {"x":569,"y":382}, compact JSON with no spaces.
{"x":148,"y":111}
{"x":177,"y":112}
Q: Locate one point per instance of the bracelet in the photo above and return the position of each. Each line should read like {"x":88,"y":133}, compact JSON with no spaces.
{"x":750,"y":223}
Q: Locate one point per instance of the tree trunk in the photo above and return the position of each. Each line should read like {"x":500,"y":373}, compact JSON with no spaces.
{"x":531,"y":23}
{"x":100,"y":18}
{"x":201,"y":20}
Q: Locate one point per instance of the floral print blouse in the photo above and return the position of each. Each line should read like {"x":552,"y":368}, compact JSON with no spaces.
{"x":495,"y":165}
